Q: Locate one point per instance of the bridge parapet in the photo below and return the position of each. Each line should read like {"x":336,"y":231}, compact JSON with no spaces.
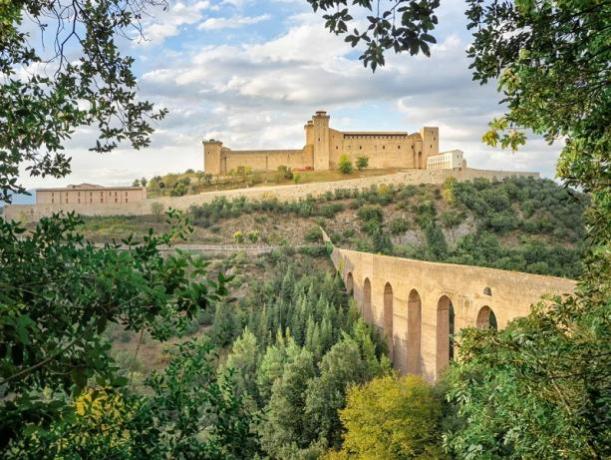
{"x":419,"y":305}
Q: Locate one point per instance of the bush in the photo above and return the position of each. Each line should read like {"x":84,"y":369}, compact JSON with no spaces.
{"x":398,"y":226}
{"x":238,"y":237}
{"x":253,"y":236}
{"x":314,"y":235}
{"x":157,"y":209}
{"x":367,"y":213}
{"x":345,"y":165}
{"x":362,"y":163}
{"x":284,"y":172}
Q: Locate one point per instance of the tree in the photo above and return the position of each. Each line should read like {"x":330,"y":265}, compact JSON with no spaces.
{"x":537,"y":389}
{"x":341,"y":367}
{"x":93,"y":86}
{"x":59,"y":293}
{"x":403,"y":27}
{"x":242,"y":363}
{"x":285,"y":422}
{"x":136,"y":183}
{"x":345,"y":165}
{"x":362,"y":162}
{"x":392,"y":417}
{"x":182,"y":402}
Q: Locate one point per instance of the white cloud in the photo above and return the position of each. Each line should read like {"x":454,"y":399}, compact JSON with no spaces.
{"x":164,"y":24}
{"x":234,"y":22}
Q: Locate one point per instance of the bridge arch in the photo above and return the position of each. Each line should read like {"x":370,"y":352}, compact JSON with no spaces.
{"x":367,"y":312}
{"x":414,"y":332}
{"x":349,"y":283}
{"x":445,"y":333}
{"x":486,"y":319}
{"x":388,"y":317}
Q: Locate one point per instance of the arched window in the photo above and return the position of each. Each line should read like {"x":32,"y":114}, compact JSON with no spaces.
{"x":486,"y":319}
{"x":487,"y":291}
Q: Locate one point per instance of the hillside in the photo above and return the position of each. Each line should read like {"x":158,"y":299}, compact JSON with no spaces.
{"x":193,"y":182}
{"x":522,"y":224}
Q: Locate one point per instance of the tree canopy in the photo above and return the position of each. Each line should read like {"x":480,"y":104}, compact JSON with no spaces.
{"x":77,"y":78}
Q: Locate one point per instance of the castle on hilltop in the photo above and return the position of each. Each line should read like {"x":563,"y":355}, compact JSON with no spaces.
{"x":324,"y":146}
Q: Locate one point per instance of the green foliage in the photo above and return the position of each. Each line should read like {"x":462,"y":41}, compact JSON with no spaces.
{"x":184,"y":401}
{"x":93,"y":85}
{"x":314,"y":235}
{"x":157,"y":209}
{"x":401,"y":26}
{"x":537,"y":389}
{"x":238,"y":237}
{"x":345,"y":165}
{"x":362,"y":162}
{"x":398,"y":226}
{"x":284,"y":172}
{"x":299,"y":351}
{"x":56,"y":307}
{"x":392,"y":417}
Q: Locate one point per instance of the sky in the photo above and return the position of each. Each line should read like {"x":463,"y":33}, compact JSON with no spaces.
{"x":252,"y":72}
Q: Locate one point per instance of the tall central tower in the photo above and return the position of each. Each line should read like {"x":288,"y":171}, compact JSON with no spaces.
{"x":321,"y":140}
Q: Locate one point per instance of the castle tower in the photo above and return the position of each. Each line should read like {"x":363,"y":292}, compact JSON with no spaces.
{"x":430,"y":143}
{"x":309,"y":132}
{"x":321,"y":140}
{"x":212,"y":157}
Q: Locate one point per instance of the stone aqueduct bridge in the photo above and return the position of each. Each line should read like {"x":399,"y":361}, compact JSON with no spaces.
{"x":418,"y":305}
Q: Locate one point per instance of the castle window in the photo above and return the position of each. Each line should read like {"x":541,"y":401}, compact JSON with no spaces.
{"x":52,"y":200}
{"x":398,"y":147}
{"x":383,"y":147}
{"x":79,"y":201}
{"x":360,"y":147}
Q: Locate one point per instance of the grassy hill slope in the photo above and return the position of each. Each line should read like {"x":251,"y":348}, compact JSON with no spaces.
{"x":522,"y":224}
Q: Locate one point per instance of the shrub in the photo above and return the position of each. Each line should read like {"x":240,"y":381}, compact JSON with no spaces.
{"x":238,"y":237}
{"x":398,"y":226}
{"x":313,"y":235}
{"x":157,"y":210}
{"x":362,"y":163}
{"x":253,"y":236}
{"x":367,"y":213}
{"x":345,"y":165}
{"x":284,"y":172}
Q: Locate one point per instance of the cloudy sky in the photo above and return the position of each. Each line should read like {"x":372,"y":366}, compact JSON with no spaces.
{"x":251,"y":72}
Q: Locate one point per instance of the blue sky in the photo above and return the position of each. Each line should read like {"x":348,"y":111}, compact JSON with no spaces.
{"x":250,"y":73}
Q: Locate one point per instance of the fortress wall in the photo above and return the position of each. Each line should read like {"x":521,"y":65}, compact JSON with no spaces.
{"x":512,"y":295}
{"x":281,"y":192}
{"x":267,"y":160}
{"x":382,"y":151}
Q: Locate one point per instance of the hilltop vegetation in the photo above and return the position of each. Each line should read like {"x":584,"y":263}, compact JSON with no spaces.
{"x":522,"y":224}
{"x":192,"y":182}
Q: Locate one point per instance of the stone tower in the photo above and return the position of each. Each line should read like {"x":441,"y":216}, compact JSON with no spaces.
{"x":321,"y":141}
{"x":430,"y":143}
{"x":212,"y":157}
